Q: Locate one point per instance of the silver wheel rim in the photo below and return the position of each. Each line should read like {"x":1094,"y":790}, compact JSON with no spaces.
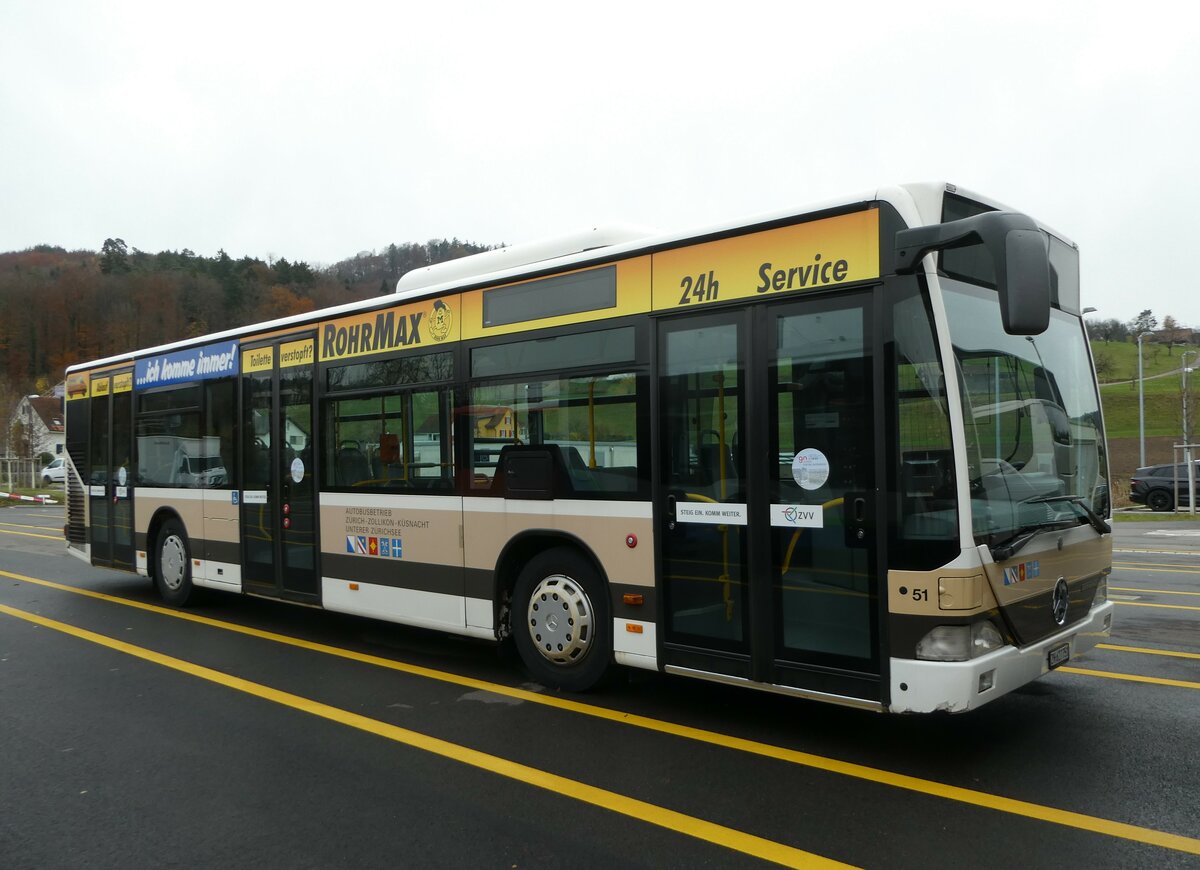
{"x":559,"y":620}
{"x":172,"y":562}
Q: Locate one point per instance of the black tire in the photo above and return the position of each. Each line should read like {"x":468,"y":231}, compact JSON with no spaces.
{"x":173,"y":564}
{"x":45,"y":480}
{"x":1159,"y":500}
{"x":560,"y":621}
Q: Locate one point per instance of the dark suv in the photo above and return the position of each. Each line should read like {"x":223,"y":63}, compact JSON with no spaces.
{"x":1160,"y":486}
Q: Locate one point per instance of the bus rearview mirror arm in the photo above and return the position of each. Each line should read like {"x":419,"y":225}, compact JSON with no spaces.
{"x":1018,"y":253}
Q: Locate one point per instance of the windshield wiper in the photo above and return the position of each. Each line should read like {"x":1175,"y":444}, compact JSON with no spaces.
{"x":1096,"y":521}
{"x":1017,"y":541}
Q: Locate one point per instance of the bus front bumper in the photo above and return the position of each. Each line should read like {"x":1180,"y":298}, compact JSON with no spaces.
{"x":955,"y":687}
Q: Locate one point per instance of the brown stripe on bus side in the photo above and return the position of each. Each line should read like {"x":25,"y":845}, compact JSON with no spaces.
{"x":219,"y":551}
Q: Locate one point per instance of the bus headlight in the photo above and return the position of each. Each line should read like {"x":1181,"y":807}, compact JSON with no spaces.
{"x":1101,"y":591}
{"x":958,"y":643}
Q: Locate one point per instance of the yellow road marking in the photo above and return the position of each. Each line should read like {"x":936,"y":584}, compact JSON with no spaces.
{"x":1164,"y":570}
{"x":1149,"y":652}
{"x":1132,"y":678}
{"x":1161,"y":606}
{"x":1151,"y":591}
{"x":1157,"y":565}
{"x":28,"y":526}
{"x":720,"y":835}
{"x":804,"y":759}
{"x":32,"y":535}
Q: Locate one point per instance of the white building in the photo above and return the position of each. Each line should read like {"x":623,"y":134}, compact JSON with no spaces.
{"x":42,"y":418}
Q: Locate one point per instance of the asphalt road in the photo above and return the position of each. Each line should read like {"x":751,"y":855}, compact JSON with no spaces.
{"x":246,"y":733}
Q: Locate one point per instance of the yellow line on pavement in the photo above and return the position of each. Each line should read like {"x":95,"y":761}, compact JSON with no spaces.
{"x":729,"y":838}
{"x":1150,"y":591}
{"x":32,"y":535}
{"x":28,"y":526}
{"x":1160,"y":606}
{"x":997,"y":803}
{"x":1149,"y":652}
{"x":1182,"y":567}
{"x":1159,"y":552}
{"x":1132,"y":678}
{"x":1161,"y":570}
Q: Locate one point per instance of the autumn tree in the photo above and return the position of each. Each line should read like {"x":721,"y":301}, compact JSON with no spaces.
{"x":60,"y":307}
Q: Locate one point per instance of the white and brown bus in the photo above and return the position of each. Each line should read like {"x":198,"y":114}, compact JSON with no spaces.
{"x":852,"y":453}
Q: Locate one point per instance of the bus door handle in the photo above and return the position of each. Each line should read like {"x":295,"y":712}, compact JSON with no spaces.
{"x":857,"y":519}
{"x":671,"y":513}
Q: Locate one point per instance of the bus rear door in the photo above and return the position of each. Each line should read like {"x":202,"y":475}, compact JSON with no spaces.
{"x":109,"y":486}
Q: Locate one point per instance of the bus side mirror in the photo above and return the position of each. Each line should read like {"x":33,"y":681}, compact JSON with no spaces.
{"x":1024,"y":282}
{"x":1019,"y":258}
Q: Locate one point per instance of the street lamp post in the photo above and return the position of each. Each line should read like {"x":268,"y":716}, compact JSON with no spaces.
{"x":1184,"y":373}
{"x":1187,"y":440}
{"x":1141,"y":405}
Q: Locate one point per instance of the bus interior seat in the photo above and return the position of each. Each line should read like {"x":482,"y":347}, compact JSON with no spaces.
{"x":351,"y":466}
{"x":577,"y":469}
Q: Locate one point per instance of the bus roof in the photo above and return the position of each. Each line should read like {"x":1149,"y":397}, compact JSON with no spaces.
{"x":918,"y":204}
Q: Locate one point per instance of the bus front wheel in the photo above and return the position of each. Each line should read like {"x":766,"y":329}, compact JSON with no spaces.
{"x":173,"y":568}
{"x":562,"y":627}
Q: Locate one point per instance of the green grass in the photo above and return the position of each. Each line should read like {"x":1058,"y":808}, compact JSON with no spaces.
{"x":1163,"y":395}
{"x":1122,"y":359}
{"x":1155,"y":517}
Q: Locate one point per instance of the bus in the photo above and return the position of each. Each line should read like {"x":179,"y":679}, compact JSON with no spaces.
{"x":851,"y":453}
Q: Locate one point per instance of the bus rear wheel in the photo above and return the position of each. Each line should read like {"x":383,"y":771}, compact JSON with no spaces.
{"x":173,"y":564}
{"x":562,"y":627}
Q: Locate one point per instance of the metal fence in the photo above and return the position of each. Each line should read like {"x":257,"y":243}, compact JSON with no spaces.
{"x":18,"y":474}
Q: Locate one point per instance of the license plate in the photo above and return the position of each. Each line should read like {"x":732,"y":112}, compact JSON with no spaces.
{"x":1059,"y":655}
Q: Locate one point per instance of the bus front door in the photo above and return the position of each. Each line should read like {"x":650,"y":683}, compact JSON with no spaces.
{"x":767,"y":497}
{"x":278,"y":490}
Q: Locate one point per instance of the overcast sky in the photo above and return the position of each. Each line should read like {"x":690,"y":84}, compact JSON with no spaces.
{"x":313,"y":131}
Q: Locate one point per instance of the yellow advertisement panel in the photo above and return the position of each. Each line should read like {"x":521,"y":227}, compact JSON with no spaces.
{"x":417,"y":326}
{"x":77,"y":387}
{"x":261,"y":359}
{"x":100,"y":386}
{"x":803,"y":257}
{"x":123,"y":383}
{"x":296,"y":353}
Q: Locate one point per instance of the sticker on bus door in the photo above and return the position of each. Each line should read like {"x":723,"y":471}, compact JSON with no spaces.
{"x":810,"y":469}
{"x":798,"y":516}
{"x":711,"y":513}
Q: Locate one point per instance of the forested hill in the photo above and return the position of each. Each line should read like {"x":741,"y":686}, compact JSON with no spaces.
{"x":59,"y":307}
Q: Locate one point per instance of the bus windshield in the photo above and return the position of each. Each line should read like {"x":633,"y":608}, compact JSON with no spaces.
{"x":1035,"y":446}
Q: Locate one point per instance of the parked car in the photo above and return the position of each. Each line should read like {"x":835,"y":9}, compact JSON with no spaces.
{"x":1160,"y":487}
{"x":55,"y":472}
